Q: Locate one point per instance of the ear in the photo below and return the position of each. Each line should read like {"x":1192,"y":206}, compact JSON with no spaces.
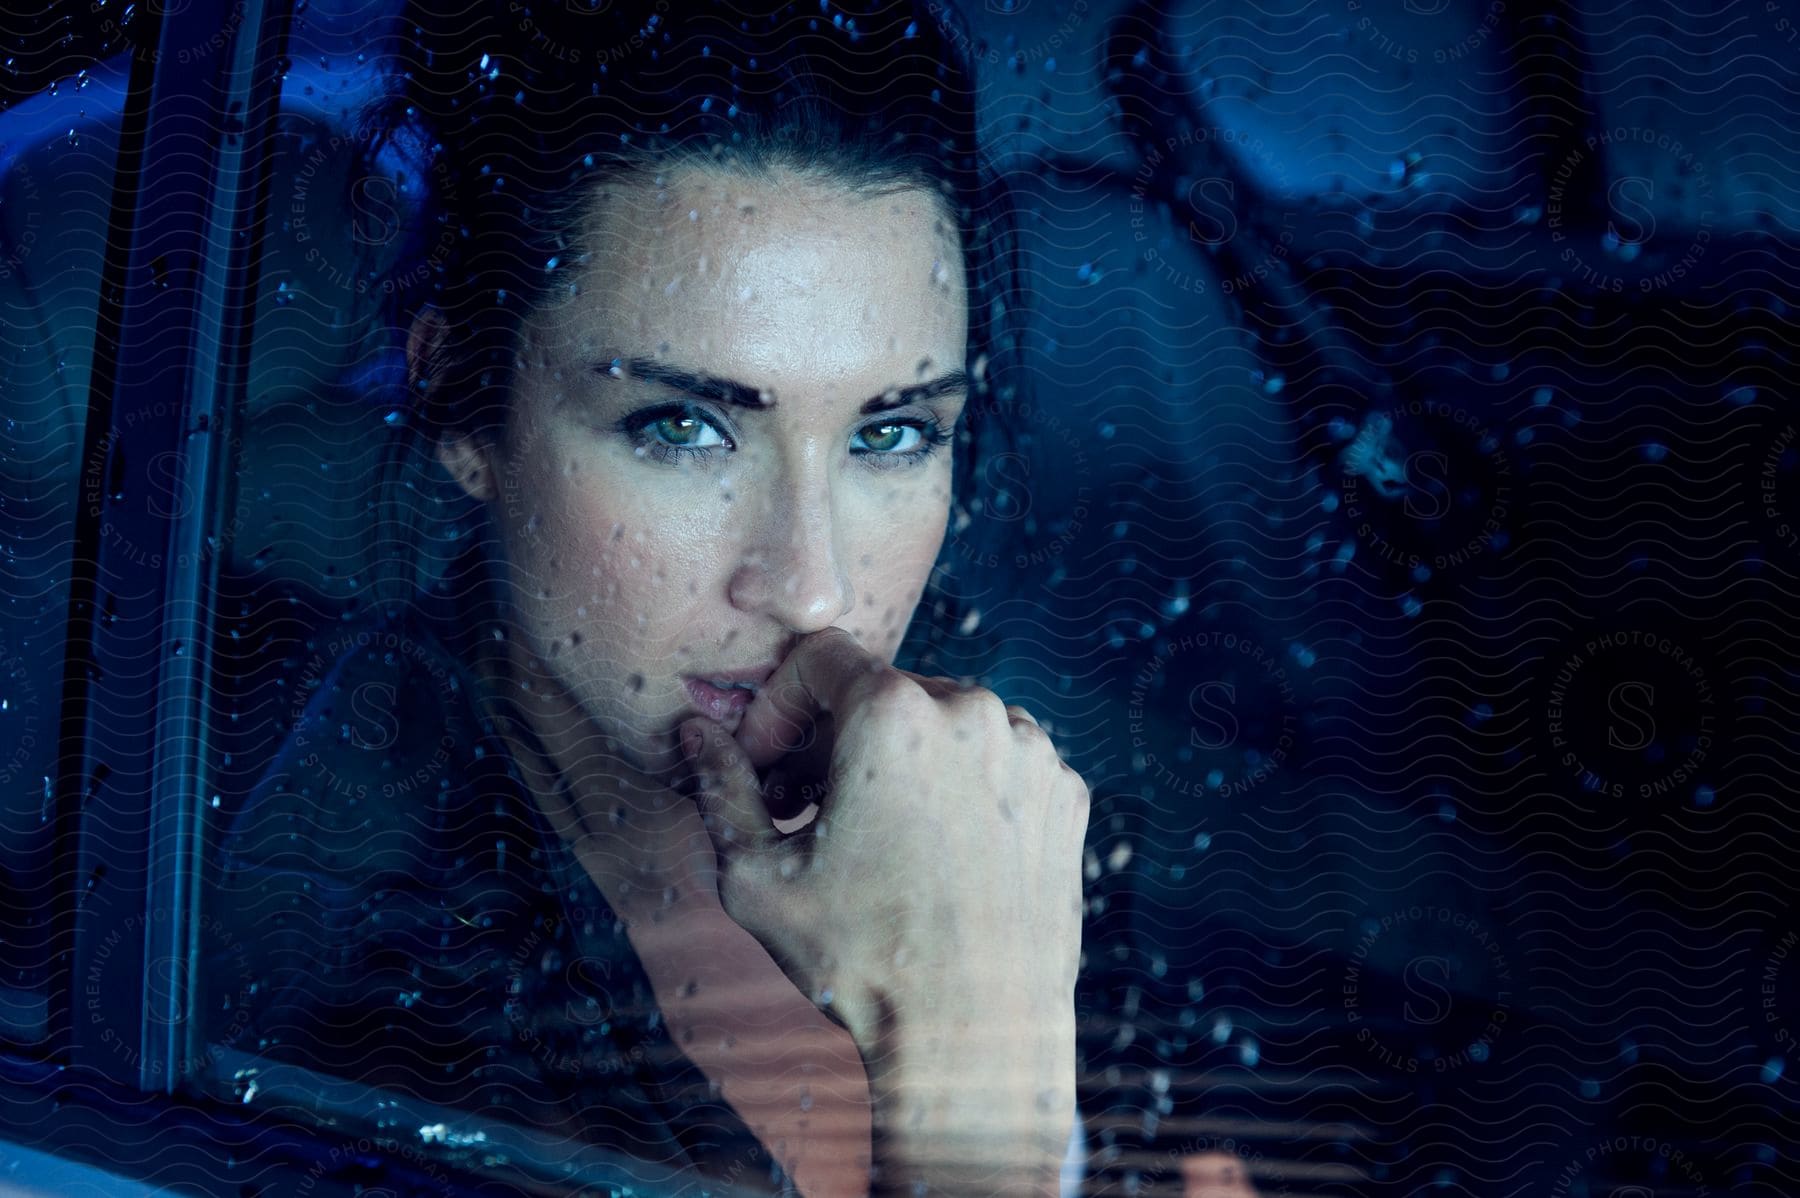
{"x":470,"y":462}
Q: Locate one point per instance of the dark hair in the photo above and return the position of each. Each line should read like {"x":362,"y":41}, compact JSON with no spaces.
{"x":509,"y":114}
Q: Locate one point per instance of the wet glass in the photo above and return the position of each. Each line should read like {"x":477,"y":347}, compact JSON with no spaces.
{"x":58,"y":143}
{"x":384,"y":940}
{"x":1190,"y":562}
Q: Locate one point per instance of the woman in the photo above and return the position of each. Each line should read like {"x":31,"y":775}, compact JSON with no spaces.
{"x":722,"y":298}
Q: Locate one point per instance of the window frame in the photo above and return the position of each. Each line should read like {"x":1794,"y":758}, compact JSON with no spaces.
{"x":171,"y":338}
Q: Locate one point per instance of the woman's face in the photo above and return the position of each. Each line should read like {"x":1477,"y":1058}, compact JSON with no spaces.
{"x":732,"y":432}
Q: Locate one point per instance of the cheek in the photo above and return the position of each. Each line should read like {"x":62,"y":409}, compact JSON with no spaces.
{"x":890,"y":580}
{"x":610,"y":558}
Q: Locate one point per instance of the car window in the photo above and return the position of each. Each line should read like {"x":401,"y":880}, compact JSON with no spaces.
{"x":58,"y":142}
{"x":387,"y":937}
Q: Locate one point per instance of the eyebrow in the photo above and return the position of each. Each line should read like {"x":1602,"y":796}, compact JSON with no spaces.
{"x":743,"y":395}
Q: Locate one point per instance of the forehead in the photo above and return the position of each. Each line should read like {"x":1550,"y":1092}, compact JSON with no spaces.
{"x":786,"y":281}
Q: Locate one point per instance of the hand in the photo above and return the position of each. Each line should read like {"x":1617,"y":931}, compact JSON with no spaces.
{"x":726,"y":1003}
{"x":934,"y":904}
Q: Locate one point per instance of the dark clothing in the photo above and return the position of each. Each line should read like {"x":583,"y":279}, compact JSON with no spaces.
{"x":411,"y":921}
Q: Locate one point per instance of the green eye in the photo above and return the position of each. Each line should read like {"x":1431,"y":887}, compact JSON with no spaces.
{"x":888,"y":438}
{"x":686,"y":431}
{"x":674,"y":433}
{"x":682,"y":433}
{"x":898,"y":443}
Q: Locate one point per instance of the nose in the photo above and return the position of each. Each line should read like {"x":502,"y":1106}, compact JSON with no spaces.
{"x":791,"y":569}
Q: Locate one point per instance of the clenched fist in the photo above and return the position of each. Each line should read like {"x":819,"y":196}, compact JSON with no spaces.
{"x":933,"y":905}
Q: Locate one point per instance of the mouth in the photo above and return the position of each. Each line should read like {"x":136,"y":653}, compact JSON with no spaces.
{"x":720,"y":698}
{"x":723,"y":695}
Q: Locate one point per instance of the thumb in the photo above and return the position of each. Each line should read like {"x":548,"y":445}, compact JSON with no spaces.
{"x":725,"y":788}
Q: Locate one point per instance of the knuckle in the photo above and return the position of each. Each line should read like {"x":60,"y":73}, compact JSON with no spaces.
{"x":1033,"y":739}
{"x":984,"y":705}
{"x":896,"y":695}
{"x":1021,"y":718}
{"x":1076,"y":787}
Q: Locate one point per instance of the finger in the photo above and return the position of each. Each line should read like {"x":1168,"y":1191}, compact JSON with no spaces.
{"x":725,"y":788}
{"x":802,"y":776}
{"x":820,"y":676}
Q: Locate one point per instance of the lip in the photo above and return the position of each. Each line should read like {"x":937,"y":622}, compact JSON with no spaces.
{"x":725,"y":706}
{"x":755,"y":674}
